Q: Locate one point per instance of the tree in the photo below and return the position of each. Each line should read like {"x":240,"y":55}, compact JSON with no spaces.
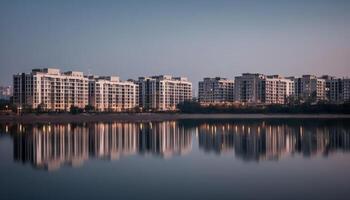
{"x":312,"y":98}
{"x":189,"y":107}
{"x":40,"y":108}
{"x":75,"y":110}
{"x":136,"y":109}
{"x":89,"y":108}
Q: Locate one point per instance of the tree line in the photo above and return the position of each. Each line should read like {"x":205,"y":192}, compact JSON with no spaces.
{"x":196,"y":107}
{"x":303,"y":108}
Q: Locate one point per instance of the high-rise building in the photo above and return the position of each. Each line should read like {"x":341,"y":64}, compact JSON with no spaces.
{"x":309,"y":87}
{"x":333,"y":89}
{"x":50,"y":89}
{"x":108,"y":93}
{"x":163,"y":92}
{"x":215,"y":90}
{"x":259,"y":88}
{"x":276,"y":89}
{"x":346,"y":89}
{"x":248,"y":88}
{"x":337,"y":90}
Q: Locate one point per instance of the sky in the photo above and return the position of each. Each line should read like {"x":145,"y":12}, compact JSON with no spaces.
{"x":188,"y":38}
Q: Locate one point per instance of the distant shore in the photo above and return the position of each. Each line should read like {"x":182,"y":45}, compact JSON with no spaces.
{"x":149,"y":117}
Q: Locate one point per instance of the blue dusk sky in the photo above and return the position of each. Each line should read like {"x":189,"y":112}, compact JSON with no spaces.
{"x":195,"y":39}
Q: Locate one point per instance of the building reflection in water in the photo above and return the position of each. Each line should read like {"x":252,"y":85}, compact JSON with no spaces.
{"x":51,"y":146}
{"x":271,"y":142}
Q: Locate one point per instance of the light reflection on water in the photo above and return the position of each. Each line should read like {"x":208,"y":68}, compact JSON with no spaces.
{"x":49,"y":146}
{"x":188,"y":159}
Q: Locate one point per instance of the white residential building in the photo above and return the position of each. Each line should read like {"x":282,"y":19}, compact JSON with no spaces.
{"x":50,"y":89}
{"x":108,"y":93}
{"x":276,"y":89}
{"x":310,"y":87}
{"x":163,"y":92}
{"x":215,"y":90}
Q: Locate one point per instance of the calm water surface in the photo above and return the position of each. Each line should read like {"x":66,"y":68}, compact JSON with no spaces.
{"x":230,"y":159}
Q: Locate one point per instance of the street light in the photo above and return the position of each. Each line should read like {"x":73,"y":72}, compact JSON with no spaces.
{"x":19,"y":109}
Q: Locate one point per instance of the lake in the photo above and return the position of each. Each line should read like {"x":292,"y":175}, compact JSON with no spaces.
{"x":185,"y":159}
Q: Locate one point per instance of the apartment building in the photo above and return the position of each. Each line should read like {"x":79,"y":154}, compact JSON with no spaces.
{"x":50,"y":89}
{"x":276,"y":89}
{"x":309,"y":87}
{"x":337,"y":90}
{"x":108,"y":93}
{"x":163,"y":92}
{"x":249,"y":87}
{"x":346,"y":89}
{"x":333,"y":89}
{"x":215,"y":90}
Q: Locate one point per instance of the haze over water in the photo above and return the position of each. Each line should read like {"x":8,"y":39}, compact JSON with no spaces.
{"x":187,"y":159}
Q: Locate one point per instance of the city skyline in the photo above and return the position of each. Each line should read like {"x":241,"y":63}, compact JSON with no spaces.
{"x":193,"y":39}
{"x":195,"y":89}
{"x":53,"y":90}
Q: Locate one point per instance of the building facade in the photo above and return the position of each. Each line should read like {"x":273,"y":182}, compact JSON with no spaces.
{"x":249,"y":87}
{"x":108,"y":93}
{"x":333,"y":89}
{"x":50,"y":89}
{"x":163,"y":92}
{"x":309,"y":87}
{"x":266,"y":89}
{"x":215,"y":90}
{"x":276,"y":89}
{"x":346,"y":90}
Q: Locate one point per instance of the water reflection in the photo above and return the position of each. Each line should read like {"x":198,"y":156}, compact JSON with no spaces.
{"x":272,"y":141}
{"x":50,"y":146}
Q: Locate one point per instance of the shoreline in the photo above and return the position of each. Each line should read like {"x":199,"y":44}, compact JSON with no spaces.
{"x":152,"y":117}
